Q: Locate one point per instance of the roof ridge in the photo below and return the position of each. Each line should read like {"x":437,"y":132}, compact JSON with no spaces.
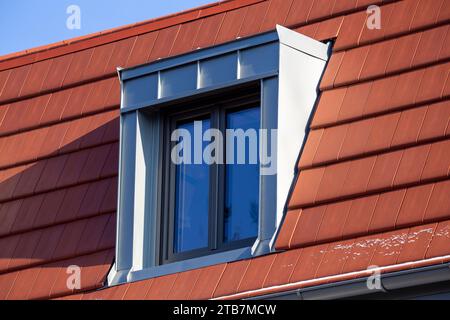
{"x":220,"y":6}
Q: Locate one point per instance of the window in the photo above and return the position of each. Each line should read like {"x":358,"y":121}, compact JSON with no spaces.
{"x":175,"y":216}
{"x":211,"y":204}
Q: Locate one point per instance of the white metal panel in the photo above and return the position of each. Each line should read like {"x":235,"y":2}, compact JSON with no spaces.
{"x":302,"y":43}
{"x":299,"y":77}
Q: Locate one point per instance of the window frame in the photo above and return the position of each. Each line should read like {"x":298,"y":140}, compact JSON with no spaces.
{"x":216,"y":112}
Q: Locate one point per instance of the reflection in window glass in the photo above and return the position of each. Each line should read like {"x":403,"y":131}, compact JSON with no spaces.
{"x":192,"y":205}
{"x":242,"y":181}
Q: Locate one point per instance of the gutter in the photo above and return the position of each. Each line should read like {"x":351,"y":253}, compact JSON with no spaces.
{"x":358,"y":287}
{"x":405,"y":275}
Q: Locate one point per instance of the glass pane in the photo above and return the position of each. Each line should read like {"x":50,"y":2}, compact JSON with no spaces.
{"x":242,"y":179}
{"x":259,"y":60}
{"x":192,"y":194}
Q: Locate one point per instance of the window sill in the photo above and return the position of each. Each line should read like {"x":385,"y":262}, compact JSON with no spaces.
{"x":181,"y":266}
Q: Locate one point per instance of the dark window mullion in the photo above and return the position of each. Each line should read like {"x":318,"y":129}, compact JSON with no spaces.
{"x":215,"y":189}
{"x":213,"y":194}
{"x":221,"y":180}
{"x":170,"y":218}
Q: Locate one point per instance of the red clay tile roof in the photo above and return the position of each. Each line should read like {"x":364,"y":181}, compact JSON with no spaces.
{"x":373,"y":178}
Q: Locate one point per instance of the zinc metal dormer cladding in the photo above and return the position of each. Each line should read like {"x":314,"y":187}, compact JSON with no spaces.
{"x":272,"y":77}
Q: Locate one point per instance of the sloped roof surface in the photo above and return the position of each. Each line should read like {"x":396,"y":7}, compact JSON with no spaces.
{"x":373,"y":178}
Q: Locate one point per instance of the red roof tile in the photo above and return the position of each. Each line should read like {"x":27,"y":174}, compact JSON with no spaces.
{"x":328,"y":29}
{"x":351,"y":66}
{"x":440,"y":241}
{"x":299,"y":11}
{"x":7,"y":281}
{"x":350,"y":30}
{"x":21,"y":288}
{"x":412,"y":164}
{"x":137,"y":291}
{"x":184,"y":284}
{"x":354,"y":101}
{"x":332,"y":181}
{"x":358,"y":176}
{"x":384,"y":171}
{"x":377,"y":59}
{"x":256,"y":273}
{"x":289,"y":225}
{"x":426,"y":13}
{"x":37,"y":77}
{"x":208,"y":31}
{"x":436,"y":120}
{"x":374,"y":34}
{"x":310,"y":178}
{"x":432,"y":84}
{"x":276,"y":14}
{"x":49,"y":208}
{"x":185,"y":38}
{"x":310,"y":148}
{"x":355,"y":142}
{"x":99,"y":61}
{"x":140,"y":49}
{"x":409,"y":126}
{"x":231,"y":278}
{"x":333,"y":100}
{"x":282,"y":268}
{"x":333,"y":222}
{"x":161,"y":287}
{"x":330,"y":143}
{"x":438,"y":160}
{"x":359,"y":216}
{"x":307,"y":226}
{"x":207,"y":282}
{"x":308,"y":263}
{"x":164,"y":43}
{"x":386,"y":211}
{"x":405,"y":49}
{"x":376,"y":158}
{"x":438,"y":207}
{"x":321,"y":9}
{"x":231,"y":25}
{"x":16,"y":80}
{"x":253,"y":19}
{"x":27,"y":213}
{"x":414,"y":205}
{"x":417,"y":243}
{"x":359,"y":255}
{"x":79,"y":62}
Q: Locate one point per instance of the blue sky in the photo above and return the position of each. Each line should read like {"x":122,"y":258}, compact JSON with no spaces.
{"x":26,"y":24}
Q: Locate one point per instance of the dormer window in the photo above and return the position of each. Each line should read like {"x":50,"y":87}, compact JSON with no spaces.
{"x":208,"y":151}
{"x":211,"y":176}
